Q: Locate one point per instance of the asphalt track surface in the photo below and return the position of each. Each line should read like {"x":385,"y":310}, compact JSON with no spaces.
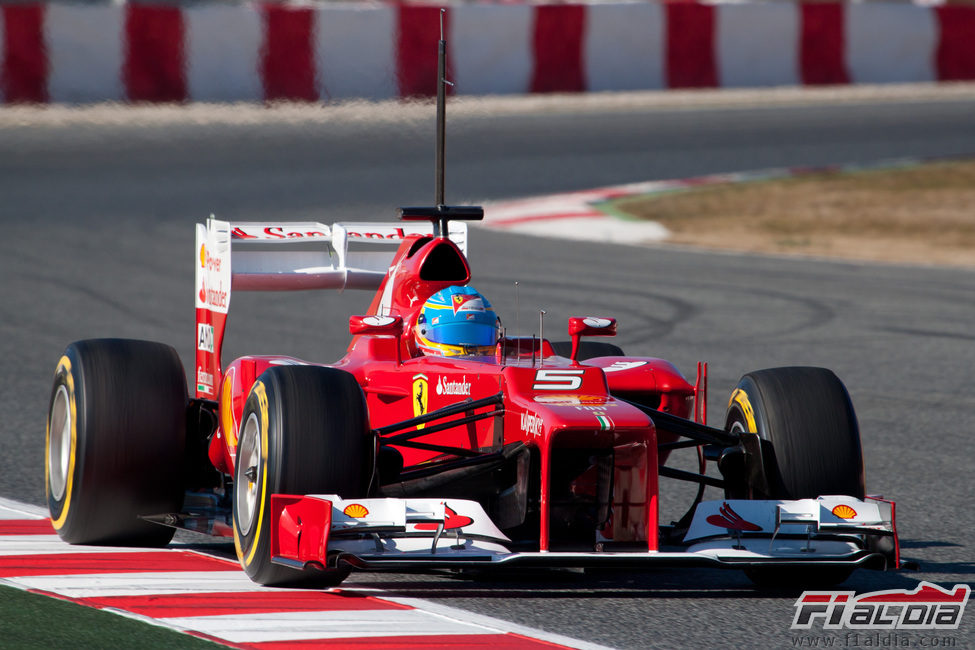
{"x":97,"y":240}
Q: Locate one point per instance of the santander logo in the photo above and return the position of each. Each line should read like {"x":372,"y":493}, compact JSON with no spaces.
{"x":214,"y":297}
{"x":462,"y":387}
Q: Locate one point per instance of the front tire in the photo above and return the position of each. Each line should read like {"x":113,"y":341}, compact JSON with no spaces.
{"x":116,"y":432}
{"x":810,"y":447}
{"x":811,"y":439}
{"x":304,"y":430}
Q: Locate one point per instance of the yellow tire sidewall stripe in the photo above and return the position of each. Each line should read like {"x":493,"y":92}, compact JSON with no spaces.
{"x":740,"y":398}
{"x":64,"y":366}
{"x":261,"y":392}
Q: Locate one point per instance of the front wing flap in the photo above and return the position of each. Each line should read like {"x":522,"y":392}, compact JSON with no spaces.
{"x":416,"y":534}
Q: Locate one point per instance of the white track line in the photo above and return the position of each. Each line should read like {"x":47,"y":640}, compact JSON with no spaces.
{"x":482,"y":619}
{"x":295,"y":626}
{"x":10,"y":509}
{"x":139,"y":584}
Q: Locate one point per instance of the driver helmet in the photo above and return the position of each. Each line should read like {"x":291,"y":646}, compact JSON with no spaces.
{"x":457,"y":321}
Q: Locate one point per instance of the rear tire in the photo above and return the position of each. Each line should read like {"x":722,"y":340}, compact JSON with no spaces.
{"x":810,"y":447}
{"x":305,"y":430}
{"x":587,"y":349}
{"x":116,"y":432}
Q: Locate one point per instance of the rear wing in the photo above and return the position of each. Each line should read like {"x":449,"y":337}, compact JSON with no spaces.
{"x":286,"y":256}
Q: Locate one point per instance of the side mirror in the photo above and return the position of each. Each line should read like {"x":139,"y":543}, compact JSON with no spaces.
{"x":589,"y":326}
{"x":381,"y":325}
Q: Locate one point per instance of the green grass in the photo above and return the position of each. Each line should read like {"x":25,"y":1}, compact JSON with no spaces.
{"x":33,"y":621}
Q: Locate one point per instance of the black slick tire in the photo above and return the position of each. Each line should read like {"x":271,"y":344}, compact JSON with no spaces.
{"x":811,"y":439}
{"x":116,"y":432}
{"x":304,"y":430}
{"x":810,"y":446}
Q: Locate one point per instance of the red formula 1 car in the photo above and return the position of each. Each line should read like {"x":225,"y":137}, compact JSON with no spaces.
{"x":414,"y":452}
{"x":438,"y":442}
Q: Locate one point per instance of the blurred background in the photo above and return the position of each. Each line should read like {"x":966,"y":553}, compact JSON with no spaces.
{"x":124,"y":124}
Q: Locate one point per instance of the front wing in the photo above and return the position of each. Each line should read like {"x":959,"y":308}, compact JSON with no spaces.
{"x":415,"y":534}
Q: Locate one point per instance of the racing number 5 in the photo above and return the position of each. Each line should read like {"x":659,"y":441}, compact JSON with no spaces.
{"x":558,"y":379}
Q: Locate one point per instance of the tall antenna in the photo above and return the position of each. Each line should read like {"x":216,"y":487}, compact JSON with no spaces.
{"x":441,"y":214}
{"x":441,"y":119}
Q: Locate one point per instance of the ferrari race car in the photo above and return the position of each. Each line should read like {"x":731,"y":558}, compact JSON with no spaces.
{"x":440,"y":442}
{"x":415,"y":452}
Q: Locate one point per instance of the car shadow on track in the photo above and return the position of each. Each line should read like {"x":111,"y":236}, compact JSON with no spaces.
{"x":914,"y":543}
{"x":665,"y":584}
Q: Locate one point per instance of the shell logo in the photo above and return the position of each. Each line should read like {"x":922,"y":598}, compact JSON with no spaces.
{"x":203,"y":255}
{"x":844,"y":511}
{"x":356,"y":510}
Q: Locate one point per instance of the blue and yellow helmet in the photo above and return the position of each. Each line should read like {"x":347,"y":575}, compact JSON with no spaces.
{"x":457,"y":321}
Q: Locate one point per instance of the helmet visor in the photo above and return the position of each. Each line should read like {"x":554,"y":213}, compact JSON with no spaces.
{"x":468,"y":334}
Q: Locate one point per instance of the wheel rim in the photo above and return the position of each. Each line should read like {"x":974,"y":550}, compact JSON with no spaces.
{"x":247,"y":489}
{"x":59,"y":446}
{"x":738,"y":427}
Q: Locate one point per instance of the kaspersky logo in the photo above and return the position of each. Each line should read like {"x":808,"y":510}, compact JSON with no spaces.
{"x":929,"y":607}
